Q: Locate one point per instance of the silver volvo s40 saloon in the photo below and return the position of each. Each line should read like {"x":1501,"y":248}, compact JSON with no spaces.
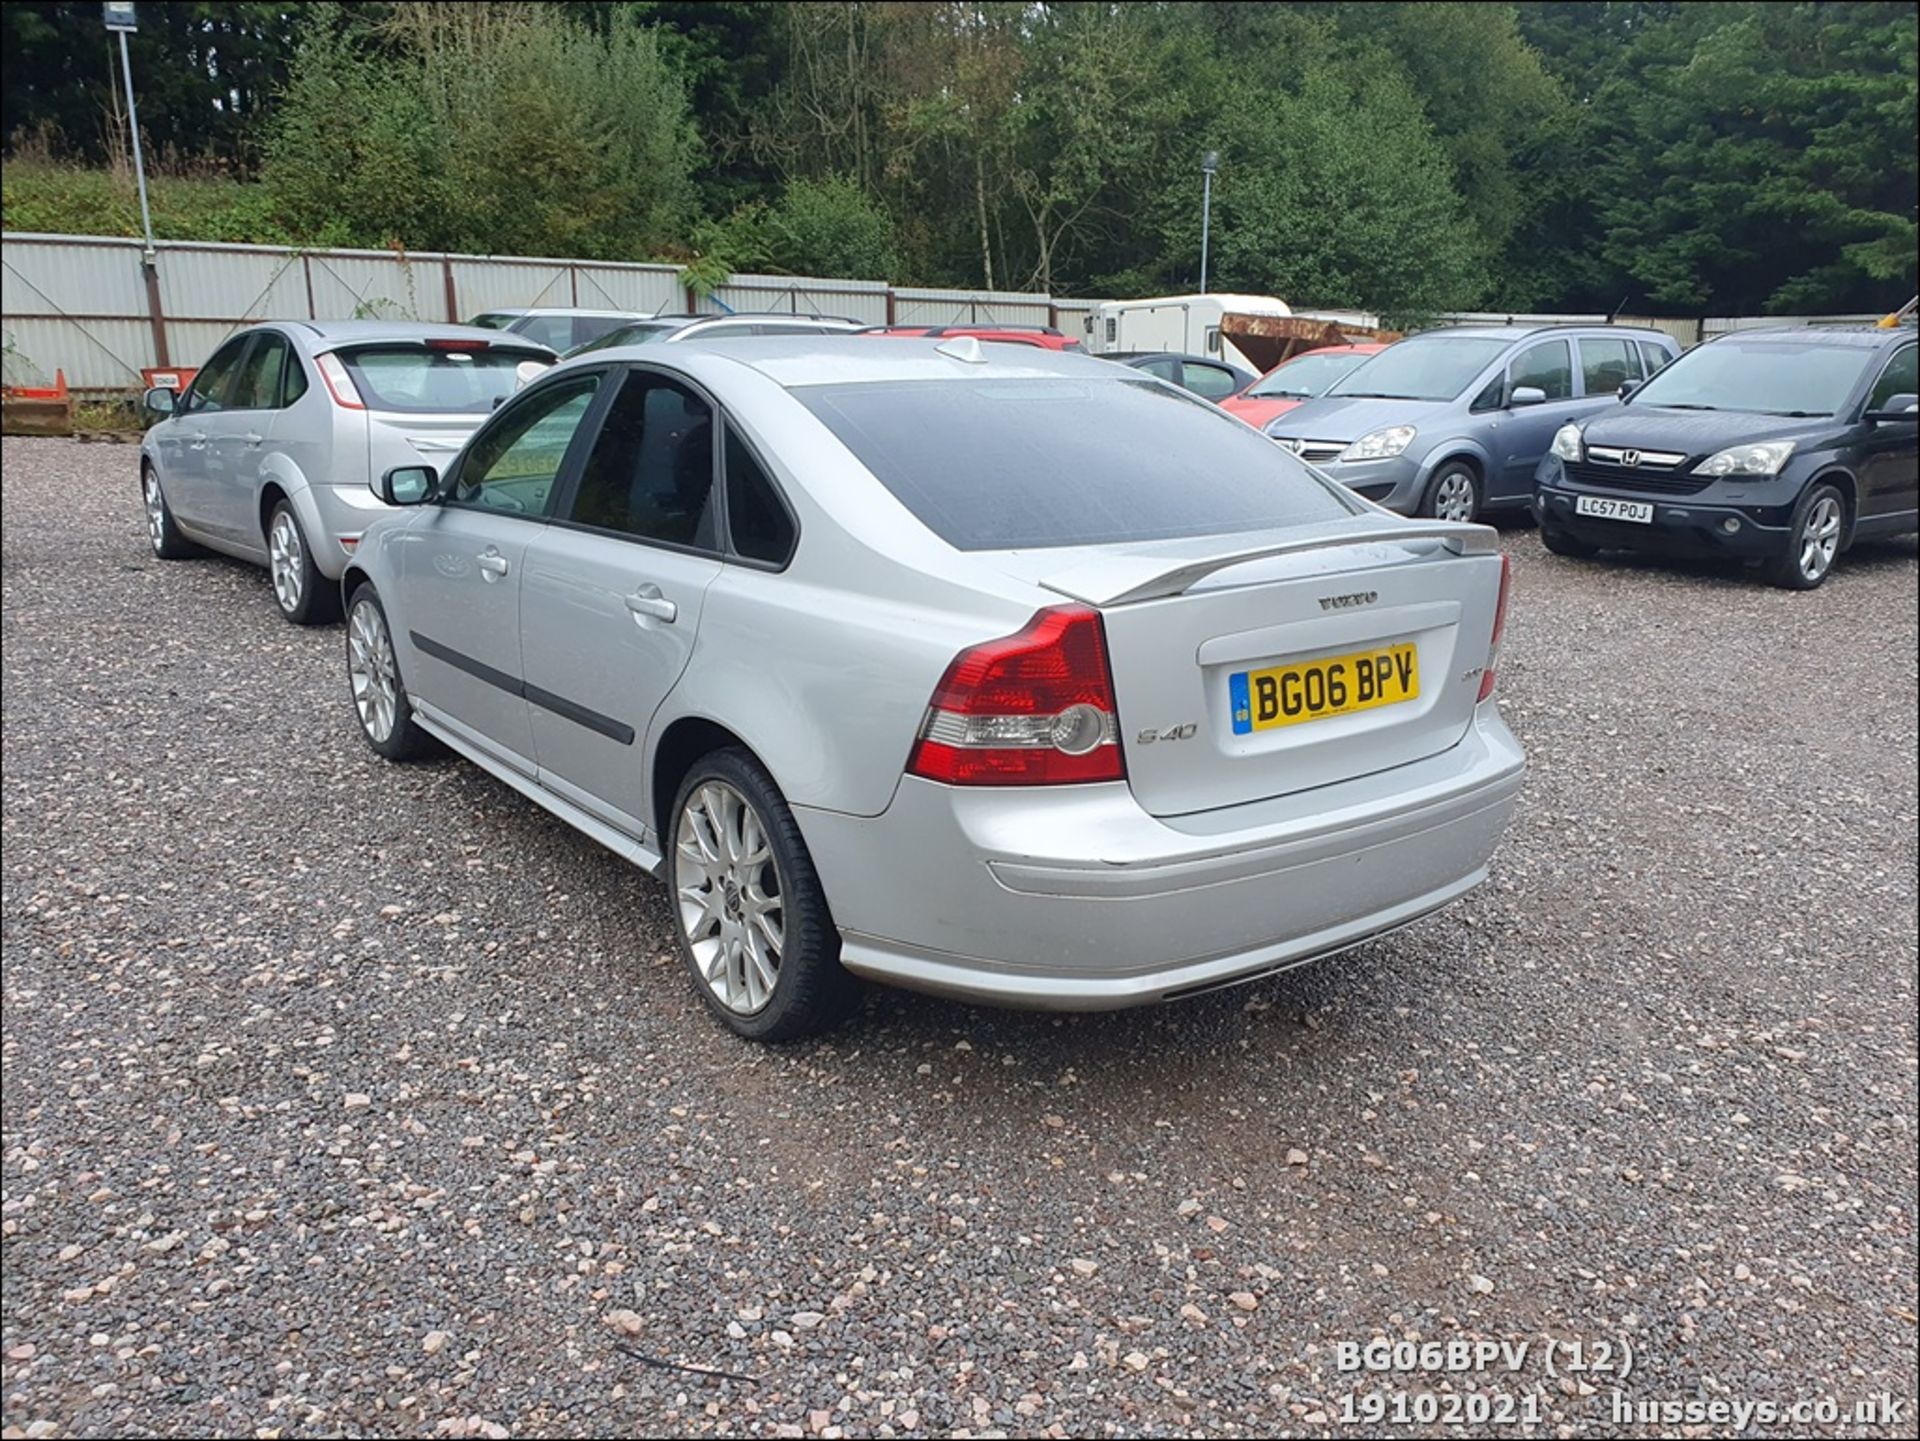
{"x":994,"y":672}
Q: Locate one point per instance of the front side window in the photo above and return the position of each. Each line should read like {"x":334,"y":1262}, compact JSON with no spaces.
{"x":1546,"y":367}
{"x":1163,"y":368}
{"x":1606,"y":364}
{"x":997,"y":464}
{"x":1901,"y":377}
{"x":213,"y":386}
{"x":1211,"y":382}
{"x":757,"y":522}
{"x":258,"y":384}
{"x":650,"y":472}
{"x":1761,"y":375}
{"x":512,"y":464}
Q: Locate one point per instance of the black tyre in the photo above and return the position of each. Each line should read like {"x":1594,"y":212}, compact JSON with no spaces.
{"x":380,"y":701}
{"x":1814,"y":542}
{"x":304,"y":595}
{"x":1562,"y":542}
{"x":1453,"y":493}
{"x":162,"y":533}
{"x":749,"y":913}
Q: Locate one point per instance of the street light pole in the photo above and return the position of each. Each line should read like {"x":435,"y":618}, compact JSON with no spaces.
{"x":1208,"y":163}
{"x":139,"y":165}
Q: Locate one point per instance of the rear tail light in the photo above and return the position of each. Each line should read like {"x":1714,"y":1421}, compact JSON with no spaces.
{"x":1499,"y":626}
{"x":1033,"y":709}
{"x":334,"y":371}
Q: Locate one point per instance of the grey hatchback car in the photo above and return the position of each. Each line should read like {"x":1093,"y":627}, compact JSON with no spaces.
{"x":1451,"y":423}
{"x":976,"y":668}
{"x":267,"y":454}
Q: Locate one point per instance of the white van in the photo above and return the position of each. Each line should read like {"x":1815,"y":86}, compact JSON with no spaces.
{"x":1189,"y":324}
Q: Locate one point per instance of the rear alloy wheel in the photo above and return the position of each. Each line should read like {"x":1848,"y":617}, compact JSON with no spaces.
{"x":373,"y":676}
{"x":1819,"y":524}
{"x":1453,"y":493}
{"x":162,"y":533}
{"x":751,"y":917}
{"x":302,"y":593}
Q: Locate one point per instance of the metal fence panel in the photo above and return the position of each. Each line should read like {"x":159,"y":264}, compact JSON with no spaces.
{"x":862,"y":300}
{"x":95,"y":354}
{"x":1724,"y":325}
{"x":914,"y":305}
{"x":645,"y":289}
{"x":50,"y":275}
{"x":495,"y":284}
{"x":207,"y":284}
{"x":1687,"y":332}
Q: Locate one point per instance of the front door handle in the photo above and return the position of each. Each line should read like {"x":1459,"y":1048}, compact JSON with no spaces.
{"x":198,"y":440}
{"x":647,"y":600}
{"x":492,"y":564}
{"x":253,"y":439}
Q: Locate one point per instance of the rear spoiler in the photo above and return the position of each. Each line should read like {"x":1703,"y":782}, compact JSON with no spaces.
{"x":1122,"y":578}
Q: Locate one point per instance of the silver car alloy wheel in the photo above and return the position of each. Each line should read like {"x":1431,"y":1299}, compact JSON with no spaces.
{"x":371,"y":671}
{"x":1820,"y":538}
{"x":731,"y":910}
{"x":156,"y":510}
{"x":286,"y":561}
{"x":1453,"y":497}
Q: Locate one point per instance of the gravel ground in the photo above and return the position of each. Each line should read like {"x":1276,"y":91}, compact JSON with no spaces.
{"x":345,"y":1098}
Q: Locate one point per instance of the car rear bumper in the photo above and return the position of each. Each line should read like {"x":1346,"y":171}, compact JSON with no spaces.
{"x":1680,"y":526}
{"x":340,"y":514}
{"x":1076,"y":899}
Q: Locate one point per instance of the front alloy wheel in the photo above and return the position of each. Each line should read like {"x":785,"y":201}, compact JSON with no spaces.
{"x":1819,"y":526}
{"x":731,"y":910}
{"x":1453,"y":494}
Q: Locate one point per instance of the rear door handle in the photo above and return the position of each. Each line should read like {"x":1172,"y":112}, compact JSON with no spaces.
{"x":647,"y":600}
{"x":254,"y":439}
{"x":492,"y":564}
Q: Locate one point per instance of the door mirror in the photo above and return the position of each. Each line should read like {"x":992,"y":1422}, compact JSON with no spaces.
{"x":1897,"y":408}
{"x":528,"y":371}
{"x":1627,"y":389}
{"x":161,"y":401}
{"x":407,"y":484}
{"x":1527,"y":395}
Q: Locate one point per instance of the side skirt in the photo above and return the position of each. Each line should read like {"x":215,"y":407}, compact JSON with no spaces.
{"x":617,"y":841}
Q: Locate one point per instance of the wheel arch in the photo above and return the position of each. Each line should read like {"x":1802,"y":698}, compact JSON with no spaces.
{"x":1841,"y":479}
{"x":685,"y":740}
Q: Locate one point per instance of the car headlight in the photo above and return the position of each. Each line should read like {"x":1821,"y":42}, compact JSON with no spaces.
{"x":1380,"y":444}
{"x":1764,"y":458}
{"x":1566,"y":441}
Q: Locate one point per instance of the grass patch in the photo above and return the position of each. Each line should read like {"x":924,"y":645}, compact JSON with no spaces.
{"x":36,"y":195}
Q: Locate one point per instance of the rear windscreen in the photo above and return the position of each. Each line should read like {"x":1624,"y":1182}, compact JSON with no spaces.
{"x":413,"y":378}
{"x":1005,"y":464}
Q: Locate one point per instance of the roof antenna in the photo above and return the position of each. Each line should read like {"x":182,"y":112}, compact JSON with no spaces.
{"x":963,"y":347}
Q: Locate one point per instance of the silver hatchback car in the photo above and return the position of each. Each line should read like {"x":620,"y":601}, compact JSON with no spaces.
{"x":1006,"y":674}
{"x":268,"y":454}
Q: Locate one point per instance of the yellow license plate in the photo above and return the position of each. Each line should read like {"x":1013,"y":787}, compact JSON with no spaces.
{"x":1285,"y":695}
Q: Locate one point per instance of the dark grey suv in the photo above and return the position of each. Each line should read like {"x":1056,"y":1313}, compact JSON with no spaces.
{"x":1780,"y":446}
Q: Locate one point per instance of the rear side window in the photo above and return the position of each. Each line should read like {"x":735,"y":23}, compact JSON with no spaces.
{"x":553,"y":331}
{"x":1653,"y":356}
{"x":1545,"y":366}
{"x":1212,"y":382}
{"x":650,"y":472}
{"x":587,"y":328}
{"x":258,"y":384}
{"x":757,"y":522}
{"x":491,"y":321}
{"x":996,"y":464}
{"x":1606,"y":364}
{"x":416,"y":379}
